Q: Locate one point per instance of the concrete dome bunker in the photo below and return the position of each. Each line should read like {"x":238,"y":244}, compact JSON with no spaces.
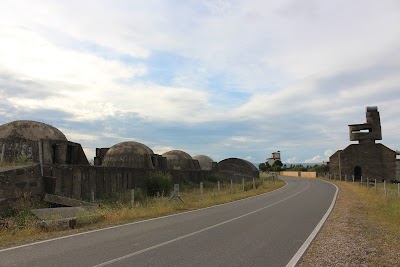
{"x":129,"y":154}
{"x":206,"y":163}
{"x":237,"y":169}
{"x":38,"y":142}
{"x":180,"y":160}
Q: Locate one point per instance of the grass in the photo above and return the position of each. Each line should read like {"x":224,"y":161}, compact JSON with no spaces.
{"x":120,"y":210}
{"x":19,"y":161}
{"x":379,"y":218}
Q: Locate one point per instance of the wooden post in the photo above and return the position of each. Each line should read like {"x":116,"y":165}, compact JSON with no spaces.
{"x":376,"y":189}
{"x":367,"y":182}
{"x":353,"y":178}
{"x":218,"y":187}
{"x":243,"y":184}
{"x":132,"y":198}
{"x":201,"y":193}
{"x":398,"y":189}
{"x":231,"y":187}
{"x":361,"y":181}
{"x":254,"y":184}
{"x":92,"y":195}
{"x":345,"y":177}
{"x":384,"y":187}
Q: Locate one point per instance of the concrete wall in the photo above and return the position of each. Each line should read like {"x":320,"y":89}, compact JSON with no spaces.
{"x":78,"y":181}
{"x":18,"y":180}
{"x":299,"y":174}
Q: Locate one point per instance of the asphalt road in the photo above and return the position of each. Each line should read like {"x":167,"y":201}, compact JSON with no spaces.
{"x":266,"y":230}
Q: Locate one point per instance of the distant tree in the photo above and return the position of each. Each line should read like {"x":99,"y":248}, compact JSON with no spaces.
{"x":277,"y":166}
{"x":262,"y":167}
{"x":268,"y":167}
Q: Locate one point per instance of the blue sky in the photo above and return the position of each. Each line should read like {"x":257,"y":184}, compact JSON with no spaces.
{"x":220,"y":78}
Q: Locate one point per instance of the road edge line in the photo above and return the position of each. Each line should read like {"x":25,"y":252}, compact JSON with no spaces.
{"x":293,"y":262}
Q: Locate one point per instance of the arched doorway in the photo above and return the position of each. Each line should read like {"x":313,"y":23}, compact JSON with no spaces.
{"x":357,"y":172}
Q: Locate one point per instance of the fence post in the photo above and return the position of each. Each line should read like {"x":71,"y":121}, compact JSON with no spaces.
{"x":376,"y":189}
{"x":254,"y":184}
{"x":218,"y":187}
{"x":92,"y":195}
{"x":345,"y":177}
{"x":398,"y":189}
{"x":384,"y":187}
{"x":231,"y":186}
{"x":201,"y":193}
{"x":132,"y":198}
{"x":353,"y":178}
{"x":243,"y":184}
{"x":367,"y":183}
{"x":361,"y":181}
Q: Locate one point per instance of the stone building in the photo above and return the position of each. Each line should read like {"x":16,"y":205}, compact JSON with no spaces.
{"x":275,"y":157}
{"x":206,"y":163}
{"x":237,"y":169}
{"x":366,"y":159}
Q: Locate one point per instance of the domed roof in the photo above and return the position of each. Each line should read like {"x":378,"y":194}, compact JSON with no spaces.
{"x":123,"y":154}
{"x":236,"y":164}
{"x":176,"y":154}
{"x":30,"y":130}
{"x":206,"y":163}
{"x":129,"y":147}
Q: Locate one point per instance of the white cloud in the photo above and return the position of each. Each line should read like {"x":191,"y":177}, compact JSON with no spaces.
{"x":328,"y":153}
{"x":315,"y":159}
{"x":307,"y":69}
{"x":159,"y":149}
{"x":291,"y":160}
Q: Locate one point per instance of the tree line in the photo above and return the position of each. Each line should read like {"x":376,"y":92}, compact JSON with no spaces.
{"x":278,"y":166}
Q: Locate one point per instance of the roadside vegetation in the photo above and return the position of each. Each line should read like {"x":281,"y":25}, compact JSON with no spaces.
{"x":363,"y":229}
{"x":20,"y":226}
{"x":21,"y":160}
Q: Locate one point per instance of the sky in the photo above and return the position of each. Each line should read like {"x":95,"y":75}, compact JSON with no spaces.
{"x":219,"y":78}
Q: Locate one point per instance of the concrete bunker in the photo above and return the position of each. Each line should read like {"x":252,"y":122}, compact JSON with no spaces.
{"x":206,"y":163}
{"x":129,"y":154}
{"x":237,"y":169}
{"x":180,"y":160}
{"x":38,"y":142}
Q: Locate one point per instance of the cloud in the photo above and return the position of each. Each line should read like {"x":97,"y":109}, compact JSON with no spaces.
{"x":216,"y":77}
{"x":315,"y":159}
{"x":291,"y":160}
{"x":328,"y":153}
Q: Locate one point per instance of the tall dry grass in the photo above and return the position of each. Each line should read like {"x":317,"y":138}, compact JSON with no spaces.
{"x":380,"y":219}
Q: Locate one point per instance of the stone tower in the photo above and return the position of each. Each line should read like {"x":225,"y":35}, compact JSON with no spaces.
{"x":367,"y":132}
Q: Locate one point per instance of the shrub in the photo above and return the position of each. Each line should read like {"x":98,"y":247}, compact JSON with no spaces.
{"x":158,"y":183}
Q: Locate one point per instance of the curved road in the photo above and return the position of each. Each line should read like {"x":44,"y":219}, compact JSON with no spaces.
{"x":266,"y":230}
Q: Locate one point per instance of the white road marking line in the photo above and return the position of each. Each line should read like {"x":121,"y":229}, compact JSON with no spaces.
{"x":303,"y":248}
{"x":196,"y":232}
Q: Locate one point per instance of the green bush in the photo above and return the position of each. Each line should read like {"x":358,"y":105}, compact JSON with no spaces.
{"x":158,"y":183}
{"x":23,"y":159}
